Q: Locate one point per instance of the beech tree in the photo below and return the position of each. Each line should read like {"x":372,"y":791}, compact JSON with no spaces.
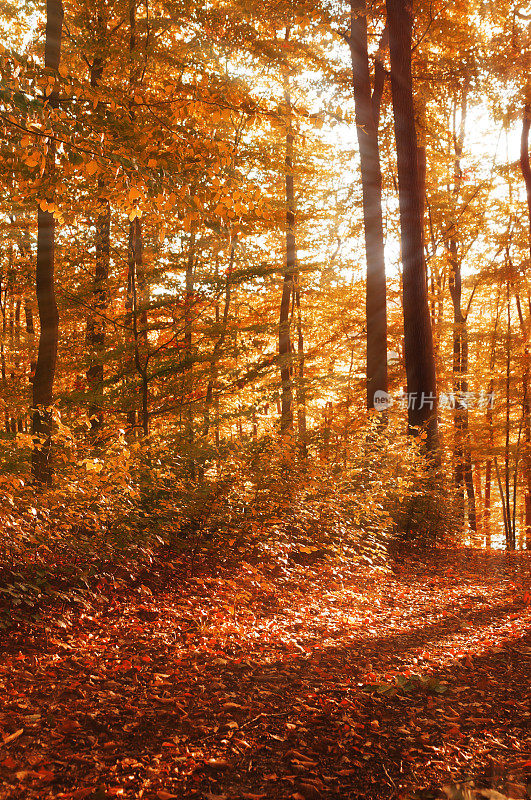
{"x":48,"y":315}
{"x":368,"y":99}
{"x":418,"y":341}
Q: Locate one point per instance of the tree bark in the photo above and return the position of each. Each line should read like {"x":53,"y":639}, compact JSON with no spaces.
{"x":490,"y":426}
{"x":187,"y":375}
{"x":41,"y":463}
{"x":526,"y":173}
{"x":301,"y":387}
{"x":219,"y":341}
{"x":136,"y":281}
{"x":524,"y":161}
{"x":462,"y":456}
{"x":509,"y":531}
{"x":96,"y":318}
{"x":418,"y":342}
{"x":367,"y":106}
{"x":284,"y":333}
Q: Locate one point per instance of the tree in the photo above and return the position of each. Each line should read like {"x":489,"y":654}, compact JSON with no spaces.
{"x":96,"y":318}
{"x":418,"y":342}
{"x":367,"y":118}
{"x":47,"y":304}
{"x":288,"y":283}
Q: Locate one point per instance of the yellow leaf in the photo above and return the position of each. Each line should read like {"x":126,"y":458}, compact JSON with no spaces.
{"x":91,"y":168}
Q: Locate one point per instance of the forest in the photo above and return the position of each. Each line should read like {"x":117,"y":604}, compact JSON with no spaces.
{"x":265,"y":399}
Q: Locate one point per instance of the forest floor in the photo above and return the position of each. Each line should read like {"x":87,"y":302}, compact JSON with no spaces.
{"x":277,"y":681}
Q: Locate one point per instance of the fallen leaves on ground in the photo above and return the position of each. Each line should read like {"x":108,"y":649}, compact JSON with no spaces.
{"x":278,"y":682}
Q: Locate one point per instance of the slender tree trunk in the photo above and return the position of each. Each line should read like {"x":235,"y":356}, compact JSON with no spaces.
{"x":284,"y":333}
{"x":41,"y":463}
{"x":96,"y":318}
{"x":490,"y":427}
{"x":526,"y":172}
{"x":301,"y":388}
{"x":129,"y":327}
{"x":367,"y":116}
{"x":18,"y":349}
{"x":220,"y":340}
{"x":418,"y":342}
{"x":140,"y":335}
{"x":524,"y":162}
{"x":509,"y":532}
{"x":462,"y":455}
{"x":3,"y":365}
{"x":479,"y":502}
{"x":136,"y":276}
{"x":488,"y":484}
{"x":505,"y":509}
{"x":187,"y":377}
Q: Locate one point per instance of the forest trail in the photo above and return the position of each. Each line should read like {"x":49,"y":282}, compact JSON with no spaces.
{"x":278,"y":682}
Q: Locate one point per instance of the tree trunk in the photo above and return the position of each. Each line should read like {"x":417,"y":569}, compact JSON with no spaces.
{"x":96,"y":318}
{"x":367,"y":116}
{"x":187,"y":375}
{"x":462,"y":456}
{"x":479,"y":503}
{"x":418,"y":342}
{"x":41,"y":464}
{"x":301,"y":388}
{"x":488,"y":485}
{"x":490,"y":426}
{"x":526,"y":172}
{"x":524,"y":161}
{"x":509,"y":532}
{"x":219,"y":342}
{"x":284,"y":334}
{"x":136,"y":281}
{"x":140,"y":335}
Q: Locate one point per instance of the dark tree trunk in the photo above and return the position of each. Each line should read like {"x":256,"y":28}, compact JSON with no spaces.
{"x":216,"y":353}
{"x":138,"y":287}
{"x":136,"y":280}
{"x":187,"y":375}
{"x":490,"y":426}
{"x":462,"y":457}
{"x":284,"y":332}
{"x":96,"y":319}
{"x":301,"y":387}
{"x":367,"y":117}
{"x":130,"y":325}
{"x":526,"y":172}
{"x":524,"y":161}
{"x":41,"y":464}
{"x":508,"y":517}
{"x":418,"y":342}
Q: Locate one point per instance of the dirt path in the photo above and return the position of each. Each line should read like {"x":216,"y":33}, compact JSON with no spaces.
{"x":304,"y":682}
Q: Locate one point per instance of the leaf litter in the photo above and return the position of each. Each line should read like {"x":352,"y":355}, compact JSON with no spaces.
{"x":277,"y":681}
